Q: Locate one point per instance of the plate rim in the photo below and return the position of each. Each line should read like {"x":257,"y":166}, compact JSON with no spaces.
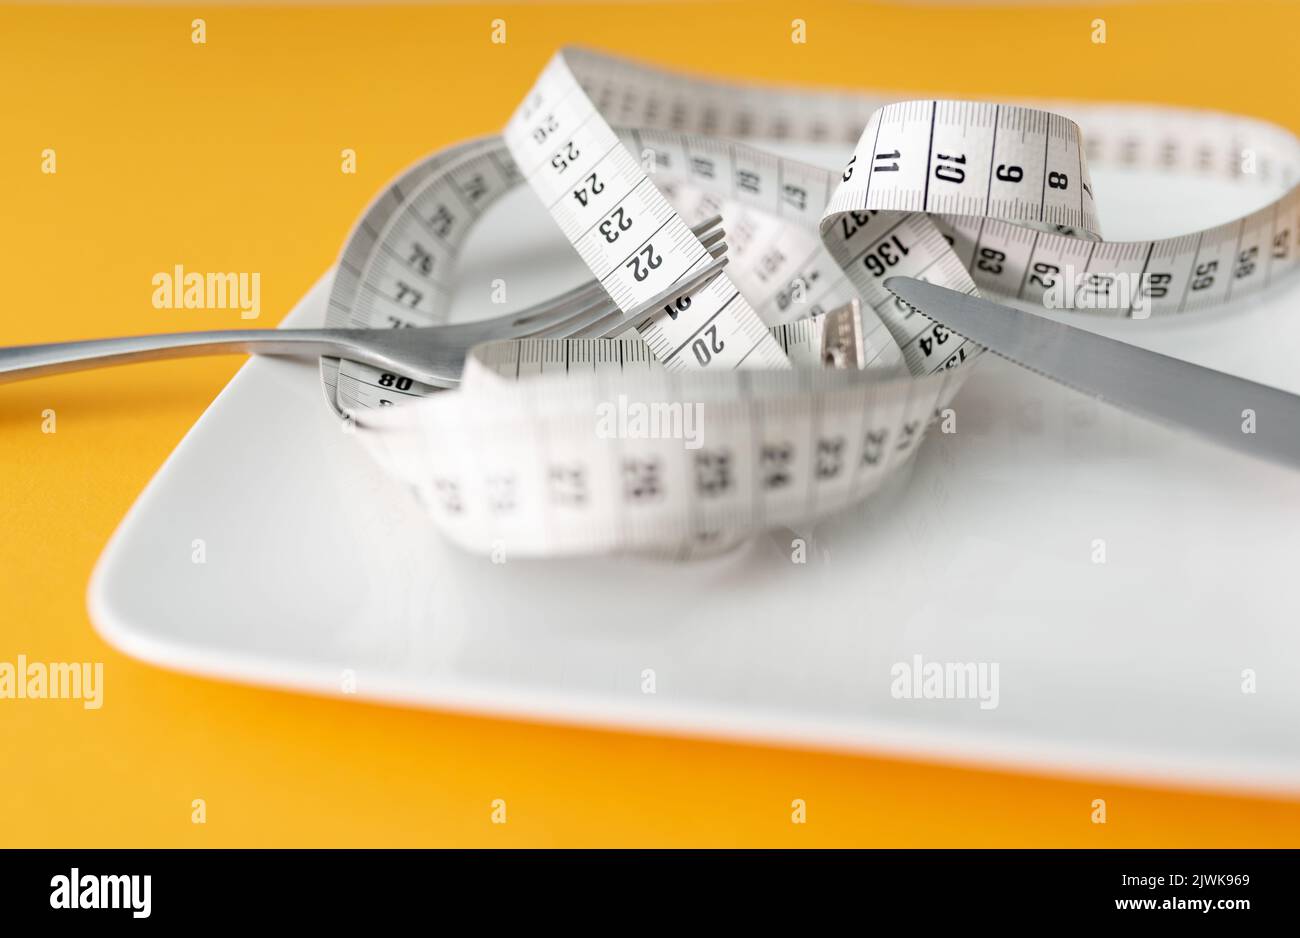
{"x":985,"y":751}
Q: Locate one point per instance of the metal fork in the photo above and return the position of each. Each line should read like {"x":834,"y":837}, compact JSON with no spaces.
{"x":433,"y":355}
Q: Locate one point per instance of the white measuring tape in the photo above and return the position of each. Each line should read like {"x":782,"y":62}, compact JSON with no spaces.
{"x":549,"y":447}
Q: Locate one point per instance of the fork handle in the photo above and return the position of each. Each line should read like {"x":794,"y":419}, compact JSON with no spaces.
{"x":34,"y":361}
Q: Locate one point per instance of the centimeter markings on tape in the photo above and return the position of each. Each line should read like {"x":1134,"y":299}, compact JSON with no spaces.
{"x":969,"y":158}
{"x":1006,"y":259}
{"x":576,"y":164}
{"x":963,"y":194}
{"x":796,"y":445}
{"x":799,"y":341}
{"x":398,"y":267}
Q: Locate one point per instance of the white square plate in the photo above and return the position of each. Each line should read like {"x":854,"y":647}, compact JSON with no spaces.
{"x":317,"y":566}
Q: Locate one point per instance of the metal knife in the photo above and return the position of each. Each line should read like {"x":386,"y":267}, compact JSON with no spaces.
{"x":1250,"y":418}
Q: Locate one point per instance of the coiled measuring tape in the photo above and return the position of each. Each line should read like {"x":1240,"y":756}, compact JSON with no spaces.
{"x":535,"y":455}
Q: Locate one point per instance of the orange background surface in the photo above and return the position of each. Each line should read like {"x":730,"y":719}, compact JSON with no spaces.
{"x":225,"y":156}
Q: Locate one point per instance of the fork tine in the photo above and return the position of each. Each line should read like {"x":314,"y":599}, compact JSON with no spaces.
{"x":611,"y":328}
{"x":580,"y":298}
{"x":598,"y":309}
{"x":435,"y":355}
{"x":700,"y":227}
{"x":570,"y":310}
{"x":598,"y":320}
{"x":711,"y":239}
{"x":616,"y":321}
{"x":572,"y":318}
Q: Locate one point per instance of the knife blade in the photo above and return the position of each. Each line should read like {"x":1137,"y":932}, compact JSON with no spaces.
{"x":1242,"y":415}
